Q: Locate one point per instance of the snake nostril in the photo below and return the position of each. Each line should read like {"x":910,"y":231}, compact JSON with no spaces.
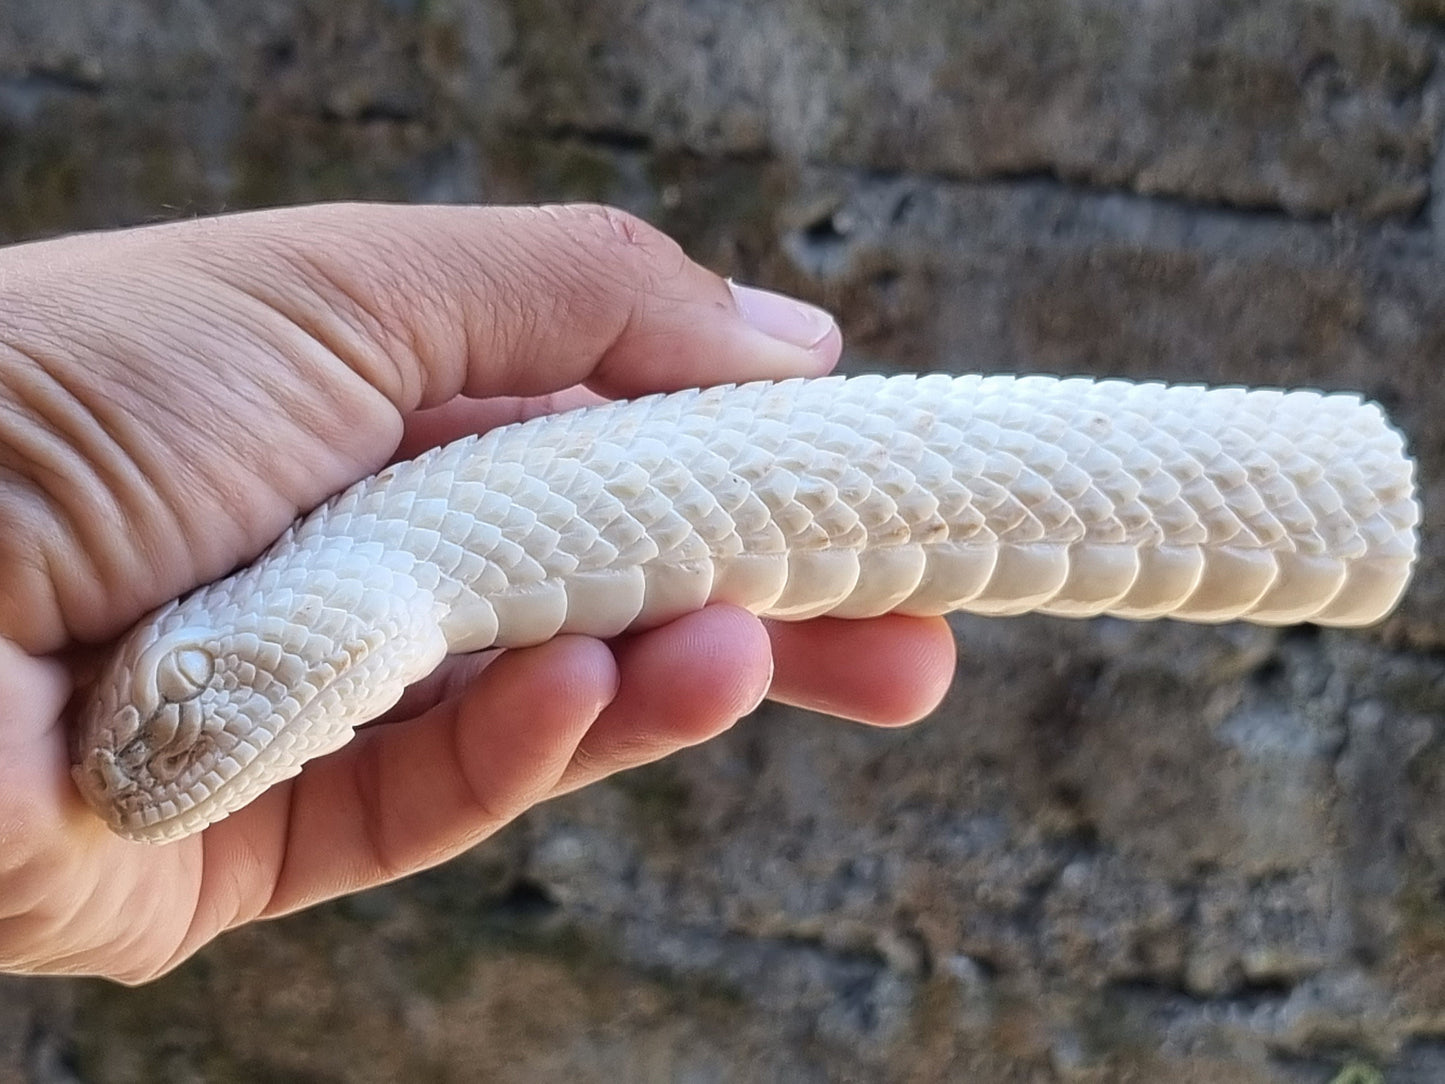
{"x":107,"y":775}
{"x":168,"y":766}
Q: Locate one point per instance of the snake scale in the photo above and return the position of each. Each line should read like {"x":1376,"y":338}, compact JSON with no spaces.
{"x":851,"y":497}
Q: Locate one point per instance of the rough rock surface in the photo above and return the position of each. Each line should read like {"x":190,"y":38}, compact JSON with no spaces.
{"x":1118,"y":852}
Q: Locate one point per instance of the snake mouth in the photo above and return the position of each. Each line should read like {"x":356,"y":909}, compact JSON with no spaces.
{"x":161,"y":795}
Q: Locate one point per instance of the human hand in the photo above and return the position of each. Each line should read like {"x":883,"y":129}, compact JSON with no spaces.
{"x":171,"y":398}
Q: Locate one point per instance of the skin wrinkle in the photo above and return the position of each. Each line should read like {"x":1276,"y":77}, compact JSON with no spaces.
{"x":136,"y":920}
{"x":64,"y":918}
{"x":486,"y":820}
{"x":585,"y":296}
{"x":83,"y":514}
{"x":237,"y":873}
{"x":177,"y":474}
{"x":465,"y":416}
{"x":519,"y":340}
{"x":388,"y":302}
{"x":330,"y":327}
{"x":569,"y":306}
{"x":361,"y":780}
{"x":310,"y":372}
{"x":229,"y":489}
{"x":373,"y":778}
{"x":26,"y":877}
{"x":262,"y":856}
{"x":649,"y":260}
{"x":586,"y":288}
{"x":392,"y":853}
{"x":27,"y":888}
{"x":444,"y":360}
{"x":270,"y":291}
{"x":121,"y":372}
{"x":210,"y":904}
{"x":626,"y":226}
{"x":208,"y":912}
{"x":326,"y":419}
{"x":156,"y":500}
{"x":292,"y":823}
{"x":25,"y":508}
{"x":373,"y":333}
{"x":189,"y":425}
{"x":493,"y":315}
{"x":125,"y":479}
{"x":55,"y":920}
{"x":488,"y":817}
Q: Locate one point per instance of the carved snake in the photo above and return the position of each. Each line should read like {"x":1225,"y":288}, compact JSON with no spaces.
{"x":851,"y":497}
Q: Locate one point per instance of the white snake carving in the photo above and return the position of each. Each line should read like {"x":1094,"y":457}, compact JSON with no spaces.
{"x":923,"y":495}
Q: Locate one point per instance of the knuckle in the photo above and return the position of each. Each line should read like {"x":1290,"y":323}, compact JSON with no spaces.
{"x":614,"y":236}
{"x":606,"y":265}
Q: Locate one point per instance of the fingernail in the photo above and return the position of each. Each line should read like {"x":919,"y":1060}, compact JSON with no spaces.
{"x":783,"y":318}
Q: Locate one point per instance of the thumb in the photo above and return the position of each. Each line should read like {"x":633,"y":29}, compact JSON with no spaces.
{"x":522,"y":301}
{"x":175,"y":395}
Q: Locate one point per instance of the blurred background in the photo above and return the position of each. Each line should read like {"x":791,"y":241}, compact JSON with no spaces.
{"x":1119,"y":852}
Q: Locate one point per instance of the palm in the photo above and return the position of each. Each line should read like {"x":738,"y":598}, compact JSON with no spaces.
{"x":66,"y":855}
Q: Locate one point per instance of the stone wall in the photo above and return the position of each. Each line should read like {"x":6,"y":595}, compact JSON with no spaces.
{"x":1118,"y":852}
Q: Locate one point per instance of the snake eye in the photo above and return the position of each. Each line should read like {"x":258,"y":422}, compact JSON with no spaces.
{"x":183,"y":673}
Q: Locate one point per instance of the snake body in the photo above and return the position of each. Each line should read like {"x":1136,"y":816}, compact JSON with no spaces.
{"x":851,"y":497}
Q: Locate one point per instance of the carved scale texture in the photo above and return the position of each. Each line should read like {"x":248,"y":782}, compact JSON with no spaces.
{"x":851,"y":497}
{"x":996,"y":495}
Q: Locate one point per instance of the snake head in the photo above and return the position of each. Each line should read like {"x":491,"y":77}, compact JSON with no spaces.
{"x":207,"y":702}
